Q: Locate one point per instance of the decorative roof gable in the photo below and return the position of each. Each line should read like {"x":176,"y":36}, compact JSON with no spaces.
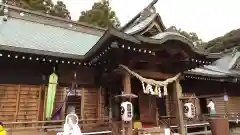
{"x":144,"y":21}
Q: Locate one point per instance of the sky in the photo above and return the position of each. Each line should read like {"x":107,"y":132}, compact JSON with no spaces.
{"x":208,"y":18}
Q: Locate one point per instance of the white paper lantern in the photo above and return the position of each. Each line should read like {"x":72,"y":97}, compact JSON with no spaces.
{"x":189,"y":110}
{"x":127,"y":111}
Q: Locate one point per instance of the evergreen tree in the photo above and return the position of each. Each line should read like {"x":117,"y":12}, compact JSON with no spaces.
{"x":60,"y":10}
{"x":101,"y":15}
{"x":36,"y":5}
{"x":44,"y":6}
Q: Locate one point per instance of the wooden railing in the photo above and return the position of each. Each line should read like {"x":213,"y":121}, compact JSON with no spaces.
{"x":166,"y":120}
{"x":85,"y":124}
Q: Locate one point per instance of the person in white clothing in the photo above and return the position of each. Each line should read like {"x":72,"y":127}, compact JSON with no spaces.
{"x":211,"y":106}
{"x":71,"y":125}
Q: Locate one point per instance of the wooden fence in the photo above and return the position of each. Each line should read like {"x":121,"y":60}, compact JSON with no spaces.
{"x":85,"y":124}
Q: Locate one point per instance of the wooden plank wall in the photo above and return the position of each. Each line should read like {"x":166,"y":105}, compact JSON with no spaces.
{"x":19,"y":102}
{"x":90,"y":103}
{"x":102,"y":105}
{"x":8,"y":99}
{"x":60,"y":99}
{"x":27,"y":103}
{"x":233,"y":105}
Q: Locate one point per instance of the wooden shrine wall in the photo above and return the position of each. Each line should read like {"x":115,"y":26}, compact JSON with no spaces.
{"x":20,"y":102}
{"x":91,"y":106}
{"x":234,"y":104}
{"x":26,"y":102}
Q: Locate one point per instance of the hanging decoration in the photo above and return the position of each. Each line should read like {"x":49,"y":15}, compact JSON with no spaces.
{"x":150,"y":89}
{"x":52,"y":86}
{"x":158,"y":91}
{"x":144,"y":88}
{"x":150,"y":83}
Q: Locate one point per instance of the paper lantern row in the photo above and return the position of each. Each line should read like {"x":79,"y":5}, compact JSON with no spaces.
{"x":156,"y":91}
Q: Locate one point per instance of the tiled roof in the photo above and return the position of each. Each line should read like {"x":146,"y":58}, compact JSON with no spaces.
{"x":221,"y":67}
{"x":143,"y":24}
{"x":26,"y":35}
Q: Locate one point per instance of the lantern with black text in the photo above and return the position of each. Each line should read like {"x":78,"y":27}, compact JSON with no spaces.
{"x":189,"y":110}
{"x":127,"y":111}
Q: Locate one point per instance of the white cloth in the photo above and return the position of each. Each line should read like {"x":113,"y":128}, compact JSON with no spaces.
{"x":211,"y":105}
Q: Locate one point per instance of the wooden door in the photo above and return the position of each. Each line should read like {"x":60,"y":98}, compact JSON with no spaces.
{"x":147,"y":107}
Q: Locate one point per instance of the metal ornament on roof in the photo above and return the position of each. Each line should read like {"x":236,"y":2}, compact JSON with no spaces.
{"x":151,"y":82}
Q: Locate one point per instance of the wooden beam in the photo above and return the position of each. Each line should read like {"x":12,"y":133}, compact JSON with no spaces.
{"x":211,"y":95}
{"x":127,"y":90}
{"x":64,"y":104}
{"x":82,"y":103}
{"x":39,"y":103}
{"x":153,"y":74}
{"x":148,"y":74}
{"x":17,"y":102}
{"x":179,"y":108}
{"x":127,"y":83}
{"x":99,"y":101}
{"x":45,"y":102}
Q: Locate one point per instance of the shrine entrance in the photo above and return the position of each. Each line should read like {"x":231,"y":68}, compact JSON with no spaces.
{"x":148,"y":108}
{"x":144,"y":105}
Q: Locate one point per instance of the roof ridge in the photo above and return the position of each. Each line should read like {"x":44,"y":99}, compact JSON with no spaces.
{"x":54,"y":17}
{"x":138,"y":15}
{"x":51,"y":25}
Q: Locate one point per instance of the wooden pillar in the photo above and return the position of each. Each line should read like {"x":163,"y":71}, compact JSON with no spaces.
{"x":99,"y":103}
{"x":127,"y":90}
{"x":17,"y":103}
{"x":82,"y":103}
{"x":198,"y":108}
{"x":39,"y":103}
{"x":179,"y":106}
{"x":45,"y":102}
{"x":64,"y":104}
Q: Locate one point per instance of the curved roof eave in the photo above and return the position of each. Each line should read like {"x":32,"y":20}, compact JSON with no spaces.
{"x":111,"y":32}
{"x":166,"y":36}
{"x":158,"y":39}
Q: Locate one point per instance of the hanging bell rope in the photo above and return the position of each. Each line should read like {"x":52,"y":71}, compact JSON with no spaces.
{"x":151,"y":81}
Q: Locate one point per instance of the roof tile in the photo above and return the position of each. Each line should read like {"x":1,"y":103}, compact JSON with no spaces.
{"x":36,"y":36}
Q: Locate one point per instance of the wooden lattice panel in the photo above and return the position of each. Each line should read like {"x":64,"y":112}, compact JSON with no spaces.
{"x":28,"y":103}
{"x":90,"y":103}
{"x":19,"y":102}
{"x":103,"y":110}
{"x":60,"y":97}
{"x":8,"y":99}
